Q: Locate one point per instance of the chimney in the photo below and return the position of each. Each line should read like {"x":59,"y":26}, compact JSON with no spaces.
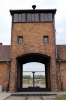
{"x":34,"y":6}
{"x":0,"y":44}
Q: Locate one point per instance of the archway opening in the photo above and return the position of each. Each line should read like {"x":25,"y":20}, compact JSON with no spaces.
{"x":33,"y":73}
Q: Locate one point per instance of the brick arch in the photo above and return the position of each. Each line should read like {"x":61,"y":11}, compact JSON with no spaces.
{"x":33,"y":57}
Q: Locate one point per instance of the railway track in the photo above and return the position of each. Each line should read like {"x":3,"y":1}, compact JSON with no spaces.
{"x":30,"y":97}
{"x":34,"y":97}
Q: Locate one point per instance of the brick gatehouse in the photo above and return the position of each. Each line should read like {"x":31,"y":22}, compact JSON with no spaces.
{"x":33,"y":40}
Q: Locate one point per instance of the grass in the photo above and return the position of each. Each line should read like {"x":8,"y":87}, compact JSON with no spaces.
{"x":43,"y":81}
{"x":25,"y":81}
{"x":63,"y":97}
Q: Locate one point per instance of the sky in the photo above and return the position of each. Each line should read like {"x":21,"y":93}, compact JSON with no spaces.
{"x":36,"y":67}
{"x":5,"y":17}
{"x":33,"y":66}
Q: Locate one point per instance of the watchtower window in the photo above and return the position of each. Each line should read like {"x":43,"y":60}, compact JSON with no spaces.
{"x":29,"y":17}
{"x":15,"y":17}
{"x":50,"y":16}
{"x":20,"y":39}
{"x":46,"y":17}
{"x":42,"y":17}
{"x":19,"y":18}
{"x":23,"y":17}
{"x":36,"y":17}
{"x":33,"y":17}
{"x":45,"y":38}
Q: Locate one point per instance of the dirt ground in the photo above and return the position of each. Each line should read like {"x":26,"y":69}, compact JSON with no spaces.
{"x":35,"y":84}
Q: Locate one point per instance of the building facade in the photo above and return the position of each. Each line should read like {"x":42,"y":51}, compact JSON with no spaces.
{"x":33,"y":40}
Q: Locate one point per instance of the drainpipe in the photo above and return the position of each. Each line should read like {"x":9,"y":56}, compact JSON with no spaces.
{"x":8,"y":63}
{"x":61,"y":76}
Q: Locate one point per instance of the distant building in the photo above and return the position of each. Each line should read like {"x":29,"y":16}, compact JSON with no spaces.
{"x":33,"y":40}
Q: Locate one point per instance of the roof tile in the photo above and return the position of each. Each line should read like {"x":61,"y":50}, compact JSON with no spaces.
{"x":5,"y":53}
{"x":61,"y":52}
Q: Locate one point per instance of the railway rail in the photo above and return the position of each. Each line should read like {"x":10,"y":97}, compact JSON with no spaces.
{"x":34,"y":97}
{"x":30,"y":97}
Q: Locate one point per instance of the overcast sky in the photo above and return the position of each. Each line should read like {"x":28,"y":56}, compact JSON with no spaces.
{"x":5,"y":18}
{"x":34,"y":67}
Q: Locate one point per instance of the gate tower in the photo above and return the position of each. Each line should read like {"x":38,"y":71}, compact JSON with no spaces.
{"x":33,"y":39}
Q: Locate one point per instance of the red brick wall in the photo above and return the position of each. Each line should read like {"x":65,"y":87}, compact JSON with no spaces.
{"x":33,"y":43}
{"x":63,"y":75}
{"x":3,"y":75}
{"x":33,"y":38}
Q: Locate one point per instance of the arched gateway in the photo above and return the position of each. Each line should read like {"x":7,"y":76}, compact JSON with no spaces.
{"x":33,"y":40}
{"x":33,"y":57}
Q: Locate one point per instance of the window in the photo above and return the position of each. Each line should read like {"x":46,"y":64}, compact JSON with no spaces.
{"x":29,"y":17}
{"x":15,"y":17}
{"x":19,"y":18}
{"x":45,"y":39}
{"x":20,"y":39}
{"x":33,"y":17}
{"x":23,"y":17}
{"x":41,"y":17}
{"x":36,"y":17}
{"x":46,"y":17}
{"x":50,"y":16}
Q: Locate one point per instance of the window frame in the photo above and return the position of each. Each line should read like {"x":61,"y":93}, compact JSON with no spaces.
{"x":36,"y":17}
{"x":49,"y":17}
{"x":31,"y":17}
{"x":44,"y":39}
{"x":20,"y":41}
{"x":18,"y":17}
{"x":14,"y":18}
{"x":27,"y":17}
{"x":42,"y":16}
{"x":39,"y":16}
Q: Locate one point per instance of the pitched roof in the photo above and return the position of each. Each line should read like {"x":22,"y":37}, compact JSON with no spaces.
{"x":4,"y":52}
{"x":61,"y":52}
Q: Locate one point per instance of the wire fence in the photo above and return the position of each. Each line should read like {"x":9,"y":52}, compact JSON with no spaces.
{"x":34,"y":79}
